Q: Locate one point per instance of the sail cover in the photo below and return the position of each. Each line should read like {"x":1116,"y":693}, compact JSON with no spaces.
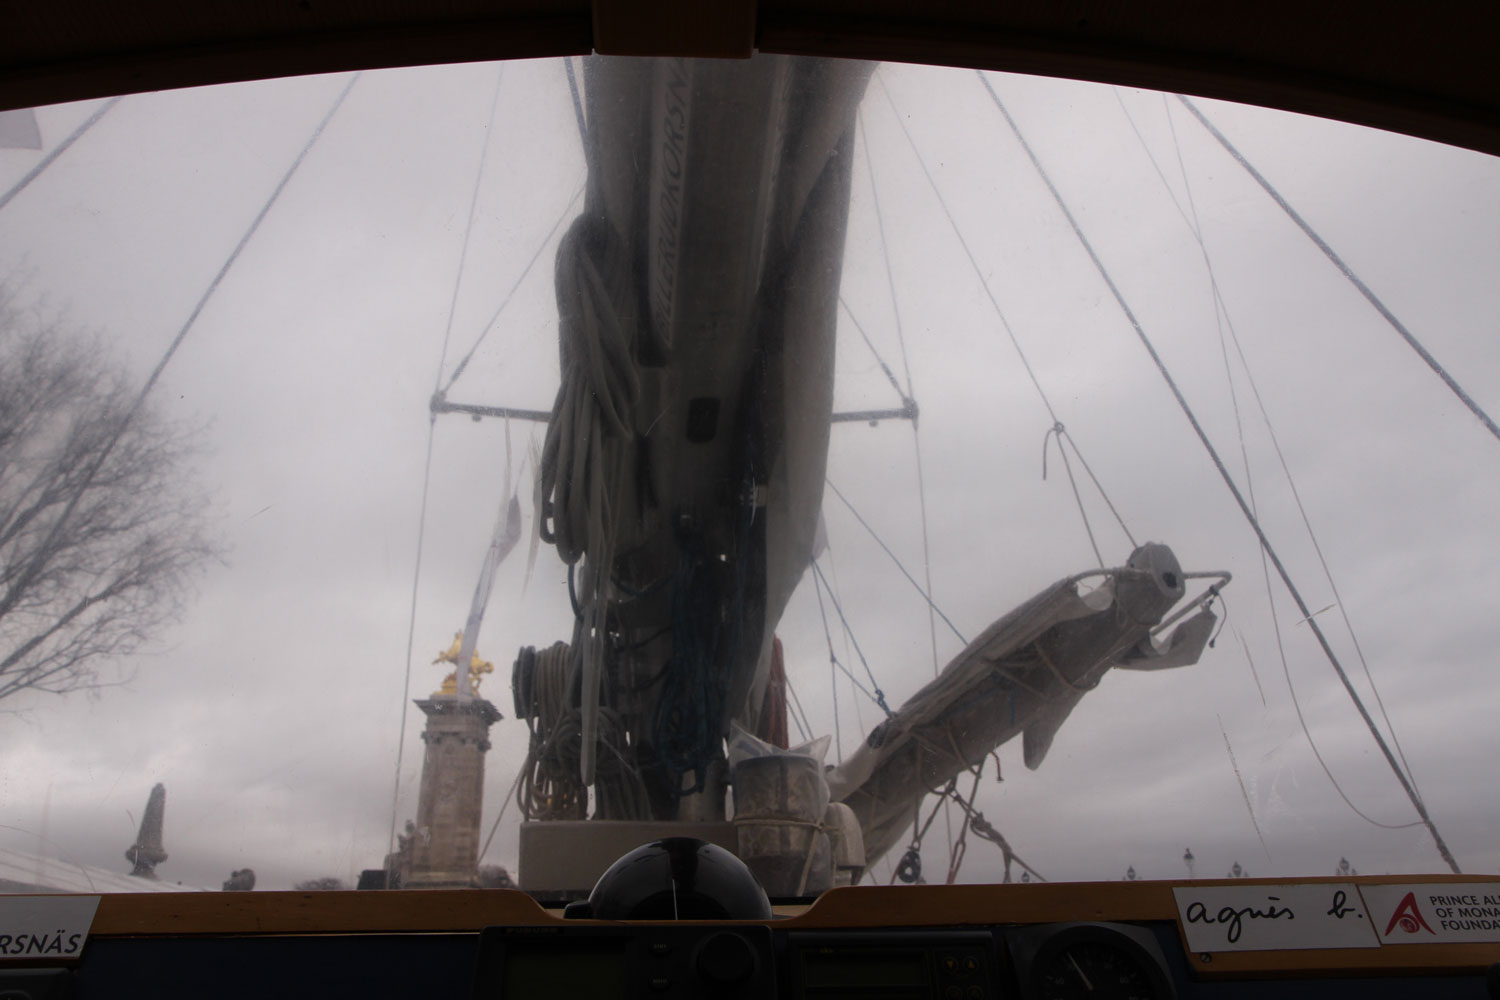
{"x":1023,"y":675}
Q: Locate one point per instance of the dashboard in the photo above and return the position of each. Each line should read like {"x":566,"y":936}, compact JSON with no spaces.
{"x":1024,"y":941}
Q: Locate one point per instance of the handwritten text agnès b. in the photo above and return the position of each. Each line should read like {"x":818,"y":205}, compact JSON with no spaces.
{"x":1235,"y":918}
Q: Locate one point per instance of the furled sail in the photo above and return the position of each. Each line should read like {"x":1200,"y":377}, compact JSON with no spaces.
{"x":1023,"y":675}
{"x":683,"y":468}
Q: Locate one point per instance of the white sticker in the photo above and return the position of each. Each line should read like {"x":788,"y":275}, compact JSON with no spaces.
{"x":43,"y":927}
{"x":1267,"y":917}
{"x":1412,"y":913}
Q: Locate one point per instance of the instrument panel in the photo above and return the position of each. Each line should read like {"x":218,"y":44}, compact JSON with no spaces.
{"x":1027,"y":942}
{"x":664,"y":962}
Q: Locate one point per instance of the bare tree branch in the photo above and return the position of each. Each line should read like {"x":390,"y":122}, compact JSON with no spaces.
{"x":101,"y":527}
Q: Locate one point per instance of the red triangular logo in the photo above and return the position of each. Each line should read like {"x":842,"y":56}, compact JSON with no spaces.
{"x":1408,"y":917}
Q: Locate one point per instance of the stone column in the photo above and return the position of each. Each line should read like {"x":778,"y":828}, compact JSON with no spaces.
{"x":445,"y":846}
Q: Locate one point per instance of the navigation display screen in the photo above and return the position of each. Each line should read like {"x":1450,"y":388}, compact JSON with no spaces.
{"x":845,"y":969}
{"x":579,"y":968}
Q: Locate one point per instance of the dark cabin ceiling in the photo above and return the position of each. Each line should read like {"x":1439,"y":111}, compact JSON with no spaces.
{"x":1426,"y":69}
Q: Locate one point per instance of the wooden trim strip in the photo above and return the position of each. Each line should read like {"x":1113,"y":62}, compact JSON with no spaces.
{"x":209,"y":914}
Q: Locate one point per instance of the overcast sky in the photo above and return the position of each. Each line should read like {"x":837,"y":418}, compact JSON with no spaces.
{"x":273,"y":713}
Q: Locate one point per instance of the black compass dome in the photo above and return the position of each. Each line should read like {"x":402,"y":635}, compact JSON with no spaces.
{"x":676,"y":878}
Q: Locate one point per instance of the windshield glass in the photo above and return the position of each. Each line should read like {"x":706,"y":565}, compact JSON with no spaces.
{"x":822,"y":376}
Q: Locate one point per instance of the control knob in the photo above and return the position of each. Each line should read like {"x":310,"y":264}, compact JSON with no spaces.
{"x":725,"y":958}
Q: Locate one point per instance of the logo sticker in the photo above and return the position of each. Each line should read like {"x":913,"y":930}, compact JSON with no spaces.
{"x":1408,"y":917}
{"x":1425,"y":912}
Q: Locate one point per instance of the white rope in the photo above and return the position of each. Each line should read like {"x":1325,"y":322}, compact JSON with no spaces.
{"x":550,"y":787}
{"x":585,"y":460}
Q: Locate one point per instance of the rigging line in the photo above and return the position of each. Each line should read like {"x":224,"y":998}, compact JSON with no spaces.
{"x":956,"y":852}
{"x":973,"y":261}
{"x":504,"y":804}
{"x":62,"y":148}
{"x":890,"y":375}
{"x":249,"y":234}
{"x":583,"y":132}
{"x":1244,"y":794}
{"x":994,"y":302}
{"x":897,"y":868}
{"x":884,"y":246}
{"x":1327,"y":572}
{"x":1171,"y":194}
{"x":916,"y":438}
{"x":802,"y":723}
{"x":1063,"y":434}
{"x":833,"y":677}
{"x":1228,"y":482}
{"x":463,"y":253}
{"x":1344,"y":268}
{"x":860,"y":688}
{"x":1004,"y":322}
{"x":416,"y":578}
{"x":1221,"y":318}
{"x":919,"y":834}
{"x":859,"y":715}
{"x":887,"y":549}
{"x":838,"y":727}
{"x":854,"y":681}
{"x":411,"y":633}
{"x":915,"y":847}
{"x":1221,"y":307}
{"x":1196,"y":225}
{"x":844,"y":633}
{"x":986,"y":831}
{"x":1312,"y":744}
{"x":823,"y":614}
{"x":1077,"y":497}
{"x":832,"y":656}
{"x":490,"y":325}
{"x":1266,"y":550}
{"x":1251,"y":660}
{"x":833,"y":571}
{"x":879,"y":696}
{"x":833,"y":669}
{"x":916,"y":441}
{"x":123,"y":424}
{"x":411,"y":628}
{"x":922,"y":833}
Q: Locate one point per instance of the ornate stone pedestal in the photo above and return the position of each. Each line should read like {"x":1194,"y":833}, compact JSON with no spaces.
{"x":444,"y":847}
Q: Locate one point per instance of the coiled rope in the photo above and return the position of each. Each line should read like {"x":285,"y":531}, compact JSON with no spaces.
{"x":550,"y":787}
{"x":585,"y":459}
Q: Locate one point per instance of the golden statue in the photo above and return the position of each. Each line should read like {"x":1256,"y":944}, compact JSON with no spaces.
{"x":476,"y":667}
